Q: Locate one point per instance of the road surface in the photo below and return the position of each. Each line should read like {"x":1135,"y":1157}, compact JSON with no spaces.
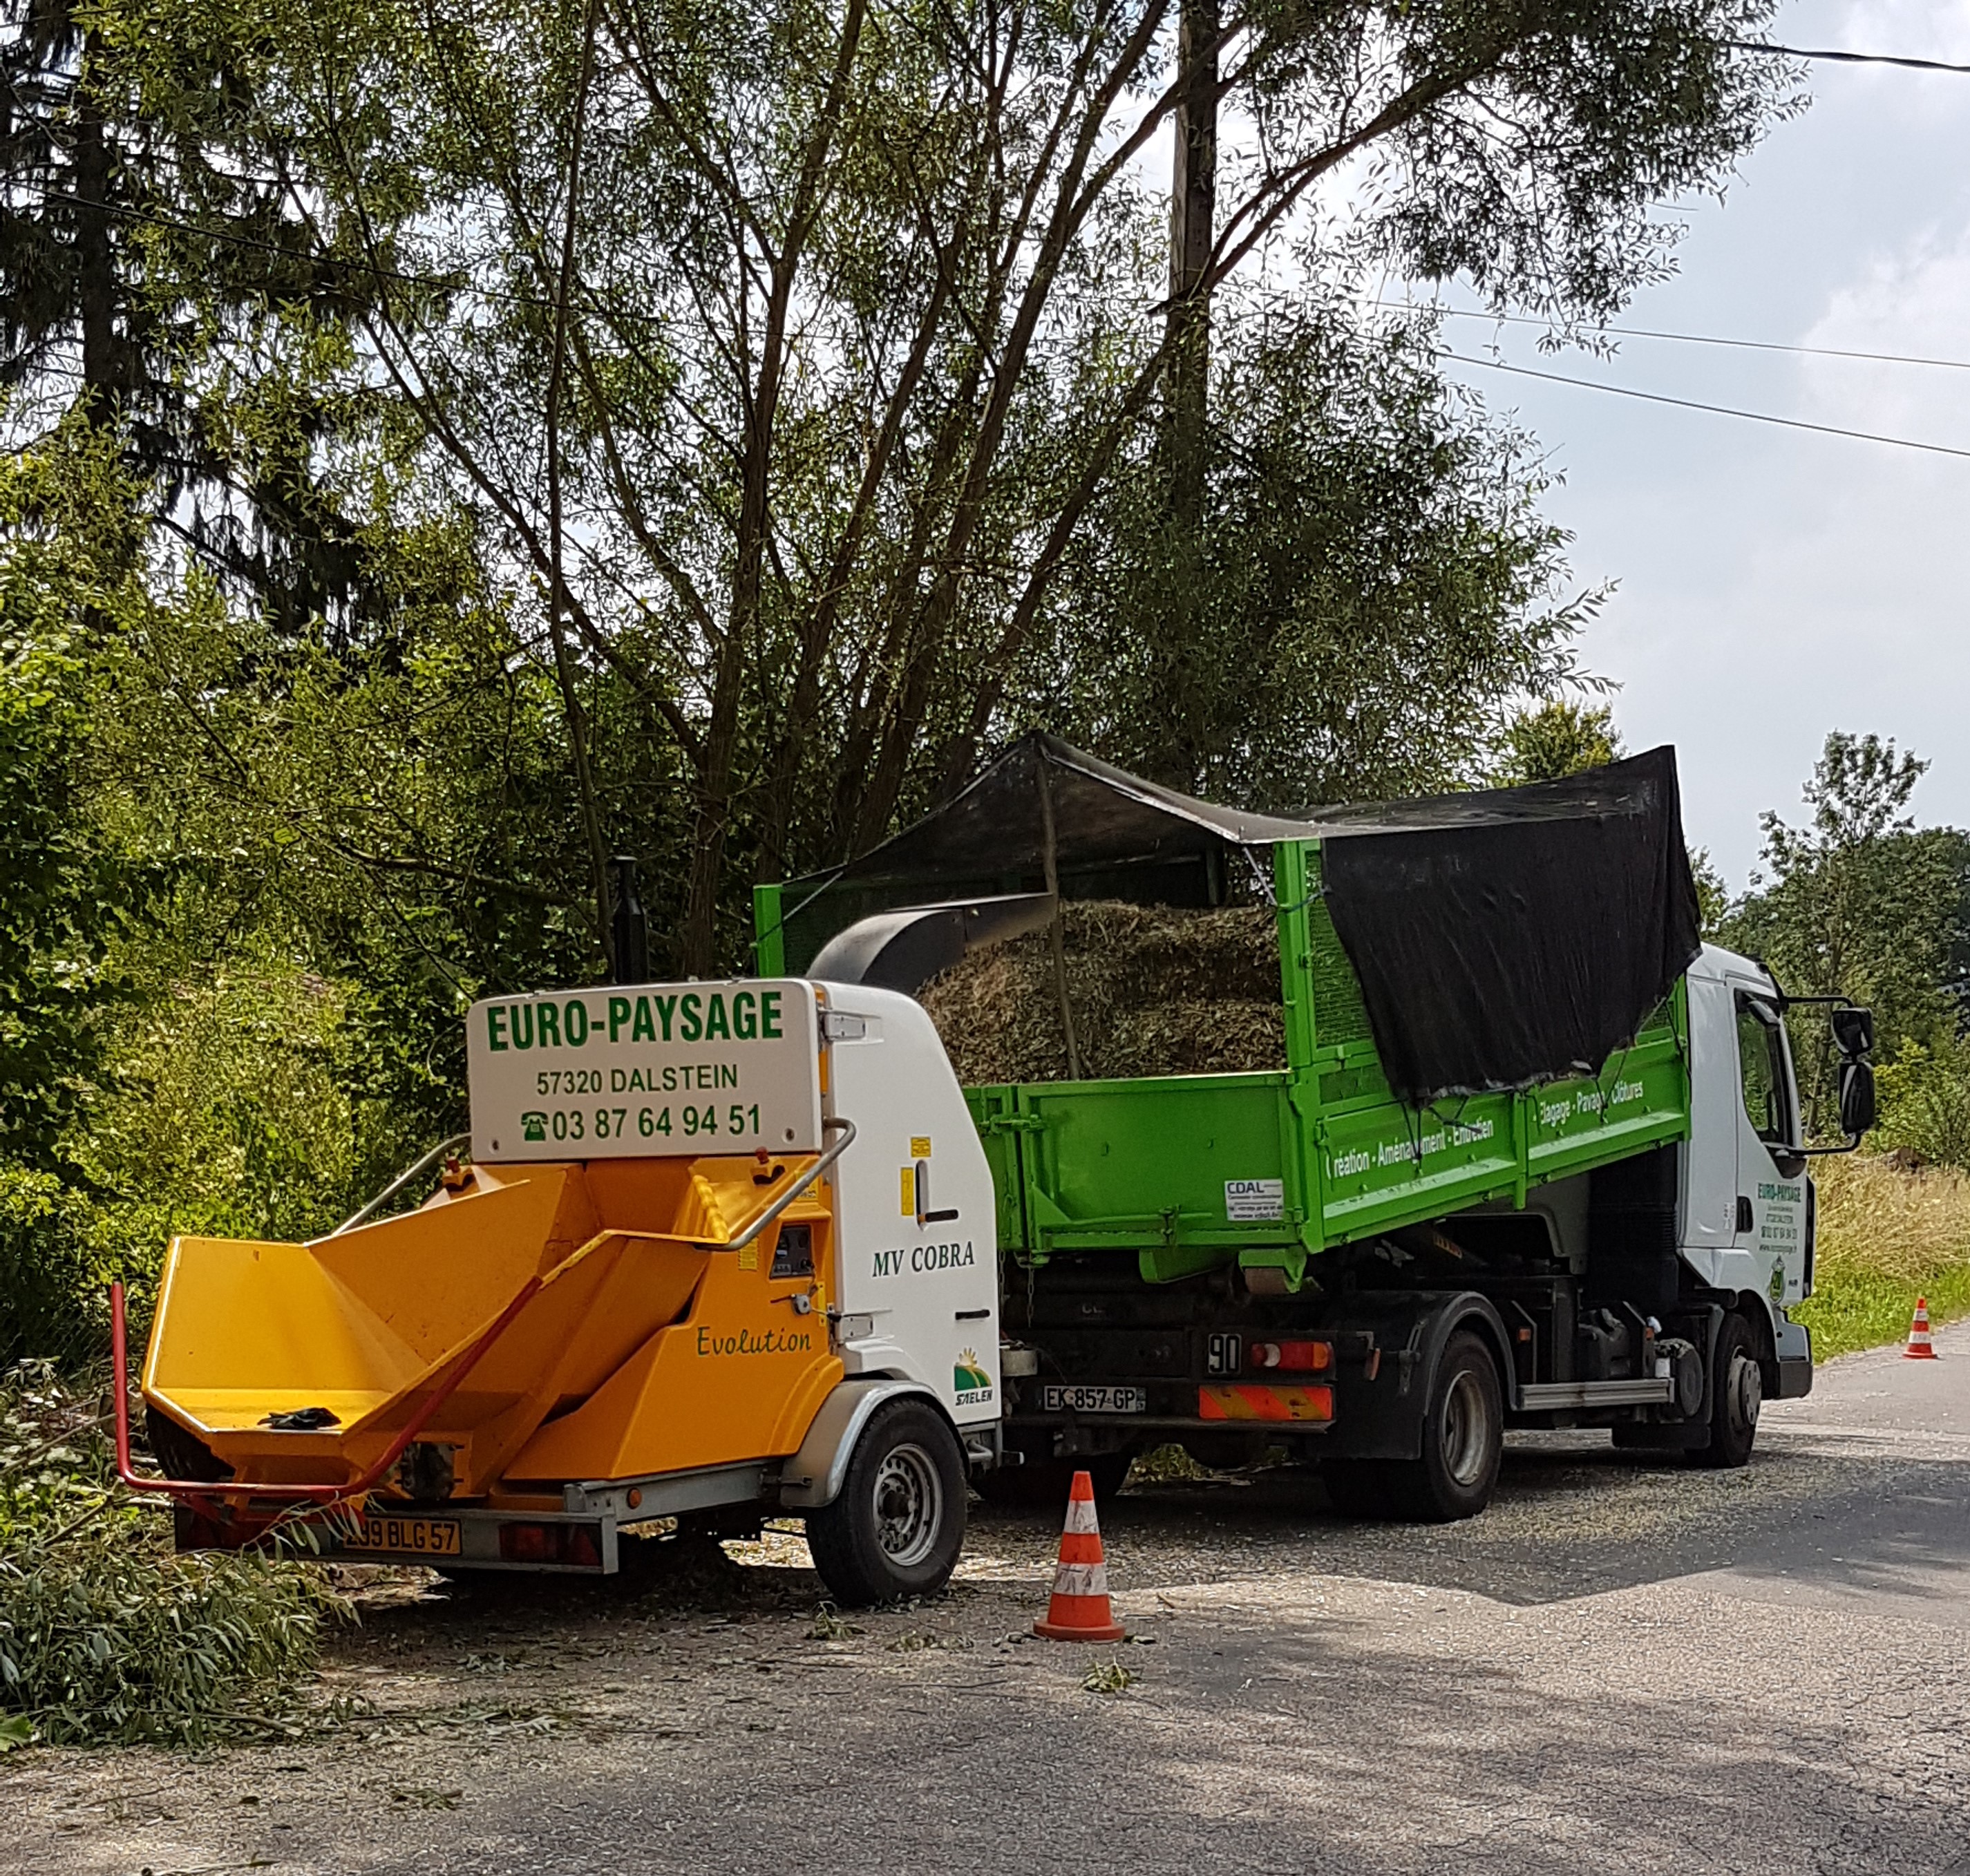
{"x":1622,"y":1666}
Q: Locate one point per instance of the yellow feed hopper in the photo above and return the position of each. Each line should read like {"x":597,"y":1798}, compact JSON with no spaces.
{"x":538,"y":1323}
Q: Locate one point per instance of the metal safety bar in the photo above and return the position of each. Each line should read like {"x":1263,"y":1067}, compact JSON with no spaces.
{"x":799,"y":1185}
{"x":402,"y":1179}
{"x":202,"y":1491}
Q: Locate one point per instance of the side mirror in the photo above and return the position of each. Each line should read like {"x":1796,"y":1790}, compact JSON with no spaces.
{"x":1857,"y":1098}
{"x":1853,"y":1032}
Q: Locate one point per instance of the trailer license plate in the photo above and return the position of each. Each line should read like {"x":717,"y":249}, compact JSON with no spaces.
{"x":415,"y":1537}
{"x":1095,"y":1400}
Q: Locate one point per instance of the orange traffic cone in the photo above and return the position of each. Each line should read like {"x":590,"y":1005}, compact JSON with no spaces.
{"x":1079,"y":1611}
{"x":1920,"y":1348}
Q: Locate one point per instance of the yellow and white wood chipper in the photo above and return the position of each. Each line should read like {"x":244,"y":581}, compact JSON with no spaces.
{"x":719,"y":1244}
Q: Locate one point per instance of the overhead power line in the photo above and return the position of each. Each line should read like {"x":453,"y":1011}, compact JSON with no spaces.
{"x":1714,"y":410}
{"x":1845,"y":58}
{"x":1685,"y":338}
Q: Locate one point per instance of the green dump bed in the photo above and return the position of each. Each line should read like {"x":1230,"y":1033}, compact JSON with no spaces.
{"x":1186,"y":1173}
{"x":1502,"y":935}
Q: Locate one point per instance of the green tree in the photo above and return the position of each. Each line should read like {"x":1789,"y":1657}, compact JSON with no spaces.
{"x":1861,"y":903}
{"x":786,"y":350}
{"x":65,"y":539}
{"x":1369,"y":582}
{"x":1557,"y":737}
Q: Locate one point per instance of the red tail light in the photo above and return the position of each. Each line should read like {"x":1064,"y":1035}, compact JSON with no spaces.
{"x":575,"y":1545}
{"x":1294,"y":1357}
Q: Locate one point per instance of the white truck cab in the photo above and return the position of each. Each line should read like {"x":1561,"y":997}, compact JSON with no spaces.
{"x":1746,"y":1213}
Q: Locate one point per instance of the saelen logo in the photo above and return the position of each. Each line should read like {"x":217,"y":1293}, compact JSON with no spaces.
{"x":973,"y":1384}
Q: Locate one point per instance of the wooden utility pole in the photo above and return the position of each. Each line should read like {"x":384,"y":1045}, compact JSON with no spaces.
{"x":1187,"y":384}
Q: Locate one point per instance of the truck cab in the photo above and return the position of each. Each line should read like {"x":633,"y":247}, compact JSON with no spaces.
{"x":1745,"y":1215}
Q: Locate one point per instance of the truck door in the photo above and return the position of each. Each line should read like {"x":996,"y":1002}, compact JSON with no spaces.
{"x":1771,"y":1220}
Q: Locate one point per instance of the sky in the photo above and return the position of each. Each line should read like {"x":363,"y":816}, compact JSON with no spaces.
{"x":1772,"y":585}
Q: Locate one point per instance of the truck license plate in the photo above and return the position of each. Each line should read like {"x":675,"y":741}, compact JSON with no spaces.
{"x":415,"y":1537}
{"x":1095,"y":1400}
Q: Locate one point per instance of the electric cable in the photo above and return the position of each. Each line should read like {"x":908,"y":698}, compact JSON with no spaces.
{"x":1714,"y":410}
{"x":1681,"y":338}
{"x":1843,"y":58}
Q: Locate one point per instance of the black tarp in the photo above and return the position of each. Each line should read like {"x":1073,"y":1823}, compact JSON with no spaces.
{"x":1502,"y":938}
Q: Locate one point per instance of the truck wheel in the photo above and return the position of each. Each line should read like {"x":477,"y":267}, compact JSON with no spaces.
{"x":1737,"y":1392}
{"x":1463,"y":1440}
{"x":898,"y":1524}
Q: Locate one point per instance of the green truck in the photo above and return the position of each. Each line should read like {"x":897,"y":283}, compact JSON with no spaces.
{"x":1534,"y":1158}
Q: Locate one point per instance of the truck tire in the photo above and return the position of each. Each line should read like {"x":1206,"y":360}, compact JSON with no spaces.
{"x":1737,"y":1392}
{"x":1463,"y":1440}
{"x":897,"y":1525}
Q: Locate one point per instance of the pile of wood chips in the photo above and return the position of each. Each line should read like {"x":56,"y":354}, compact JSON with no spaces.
{"x":1154,"y":989}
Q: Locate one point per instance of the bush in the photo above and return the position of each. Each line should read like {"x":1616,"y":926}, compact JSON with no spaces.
{"x":1887,"y":1236}
{"x":107,"y":1638}
{"x":1924,"y":1097}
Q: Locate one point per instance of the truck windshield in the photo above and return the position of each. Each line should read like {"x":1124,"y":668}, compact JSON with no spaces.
{"x":1762,"y":1063}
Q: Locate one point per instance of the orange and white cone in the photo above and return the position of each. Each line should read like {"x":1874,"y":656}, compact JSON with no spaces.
{"x":1079,"y":1611}
{"x":1920,"y":1347}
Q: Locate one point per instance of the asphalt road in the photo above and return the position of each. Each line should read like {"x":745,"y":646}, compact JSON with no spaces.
{"x":1622,"y":1666}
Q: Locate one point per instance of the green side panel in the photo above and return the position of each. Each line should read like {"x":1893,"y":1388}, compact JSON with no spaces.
{"x":1170,"y":1169}
{"x":769,"y":942}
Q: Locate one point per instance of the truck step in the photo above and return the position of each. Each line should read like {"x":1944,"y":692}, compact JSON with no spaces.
{"x":1538,"y":1396}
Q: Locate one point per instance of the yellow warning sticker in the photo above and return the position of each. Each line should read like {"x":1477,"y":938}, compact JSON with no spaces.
{"x":909,"y":1192}
{"x":748,"y":1256}
{"x":919,"y":1146}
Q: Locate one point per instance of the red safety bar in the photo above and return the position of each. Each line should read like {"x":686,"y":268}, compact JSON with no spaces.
{"x":201,"y":1493}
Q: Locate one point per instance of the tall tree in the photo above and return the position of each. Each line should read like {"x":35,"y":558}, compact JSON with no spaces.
{"x":144,"y":222}
{"x":857,"y":317}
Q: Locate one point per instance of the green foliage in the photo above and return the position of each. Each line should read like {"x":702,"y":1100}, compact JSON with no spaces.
{"x":106,"y":1638}
{"x":65,"y":538}
{"x":1558,"y":737}
{"x":1925,"y":1103}
{"x":1861,"y":903}
{"x":1369,"y":583}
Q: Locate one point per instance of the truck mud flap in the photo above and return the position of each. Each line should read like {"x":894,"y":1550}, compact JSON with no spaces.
{"x":1387,"y":1346}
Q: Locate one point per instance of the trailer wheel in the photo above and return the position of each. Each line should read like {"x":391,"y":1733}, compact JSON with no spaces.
{"x":1463,"y":1440}
{"x":1737,"y":1392}
{"x":896,"y":1527}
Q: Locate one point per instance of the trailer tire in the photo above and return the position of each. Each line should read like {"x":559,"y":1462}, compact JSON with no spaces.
{"x":1737,"y":1392}
{"x":895,"y":1527}
{"x":1463,"y":1440}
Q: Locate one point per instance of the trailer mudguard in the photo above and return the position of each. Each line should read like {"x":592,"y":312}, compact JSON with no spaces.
{"x":812,"y":1478}
{"x":1387,"y":1346}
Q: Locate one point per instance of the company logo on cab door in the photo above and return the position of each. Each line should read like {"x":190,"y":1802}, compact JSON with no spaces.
{"x":973,"y":1385}
{"x":922,"y":1257}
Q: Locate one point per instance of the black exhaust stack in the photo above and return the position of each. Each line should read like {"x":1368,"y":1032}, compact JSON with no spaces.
{"x":631,"y":929}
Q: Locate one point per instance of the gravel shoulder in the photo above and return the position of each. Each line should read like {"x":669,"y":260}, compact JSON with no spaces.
{"x":1623,"y":1665}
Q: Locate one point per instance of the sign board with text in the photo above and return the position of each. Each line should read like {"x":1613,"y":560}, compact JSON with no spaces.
{"x":644,"y":1071}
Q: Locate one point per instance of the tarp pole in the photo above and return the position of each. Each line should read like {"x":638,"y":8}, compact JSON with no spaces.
{"x":1051,"y":859}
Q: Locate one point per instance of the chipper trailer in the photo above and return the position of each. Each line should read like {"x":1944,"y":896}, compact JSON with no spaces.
{"x":1532,"y":1157}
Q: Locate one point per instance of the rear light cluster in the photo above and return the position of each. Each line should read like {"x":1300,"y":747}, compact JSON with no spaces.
{"x":1293,"y":1357}
{"x":576,"y":1545}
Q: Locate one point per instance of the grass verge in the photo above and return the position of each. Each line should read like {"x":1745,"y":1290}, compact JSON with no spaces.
{"x":1887,"y":1236}
{"x":106,"y":1637}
